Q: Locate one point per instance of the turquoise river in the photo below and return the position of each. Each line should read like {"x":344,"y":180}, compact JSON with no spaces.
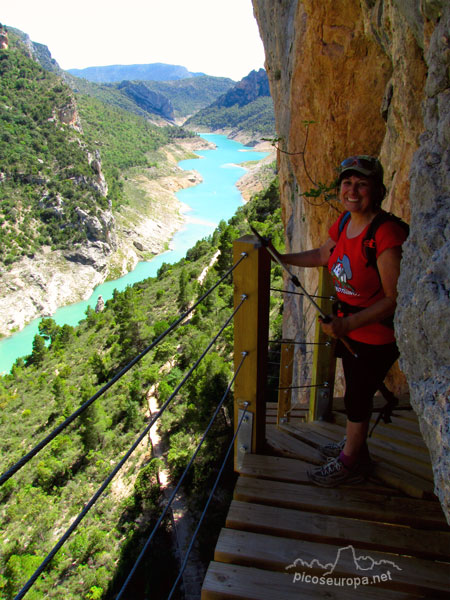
{"x":216,"y":198}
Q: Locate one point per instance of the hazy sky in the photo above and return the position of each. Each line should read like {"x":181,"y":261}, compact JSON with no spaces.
{"x":217,"y":37}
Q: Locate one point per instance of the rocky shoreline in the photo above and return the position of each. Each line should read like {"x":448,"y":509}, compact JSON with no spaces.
{"x":37,"y":287}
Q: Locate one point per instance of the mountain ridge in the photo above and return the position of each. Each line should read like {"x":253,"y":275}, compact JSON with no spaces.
{"x":134,"y":72}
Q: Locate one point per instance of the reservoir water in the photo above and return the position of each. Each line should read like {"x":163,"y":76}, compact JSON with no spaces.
{"x":216,"y":198}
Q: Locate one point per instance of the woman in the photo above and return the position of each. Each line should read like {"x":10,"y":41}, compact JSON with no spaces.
{"x":366,"y":300}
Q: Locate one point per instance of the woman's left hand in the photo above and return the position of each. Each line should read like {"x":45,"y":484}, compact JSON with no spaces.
{"x":337,"y":327}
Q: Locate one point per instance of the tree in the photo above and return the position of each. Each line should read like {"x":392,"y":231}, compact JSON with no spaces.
{"x":48,"y":329}
{"x":38,"y":353}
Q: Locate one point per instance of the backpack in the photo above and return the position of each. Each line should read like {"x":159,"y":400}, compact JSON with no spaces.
{"x":370,"y":252}
{"x":369,"y":243}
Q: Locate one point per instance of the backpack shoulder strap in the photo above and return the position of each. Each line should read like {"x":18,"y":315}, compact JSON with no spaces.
{"x":369,"y":242}
{"x":343,"y":220}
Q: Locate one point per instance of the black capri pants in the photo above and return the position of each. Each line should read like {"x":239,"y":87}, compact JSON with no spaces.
{"x":363,"y":375}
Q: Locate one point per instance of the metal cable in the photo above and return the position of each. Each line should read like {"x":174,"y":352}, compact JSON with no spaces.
{"x":297,"y":387}
{"x":117,"y":468}
{"x":302,"y":294}
{"x":293,"y":342}
{"x":202,"y":516}
{"x":27,"y":457}
{"x":175,"y":491}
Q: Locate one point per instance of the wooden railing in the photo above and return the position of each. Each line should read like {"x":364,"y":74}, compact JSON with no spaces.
{"x":251,"y":329}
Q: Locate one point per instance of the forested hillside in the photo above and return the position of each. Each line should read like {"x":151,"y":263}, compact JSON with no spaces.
{"x":46,"y":165}
{"x":247,"y":106}
{"x":55,"y":150}
{"x":67,"y":366}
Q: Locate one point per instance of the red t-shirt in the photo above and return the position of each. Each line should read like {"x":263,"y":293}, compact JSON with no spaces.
{"x":357,"y":284}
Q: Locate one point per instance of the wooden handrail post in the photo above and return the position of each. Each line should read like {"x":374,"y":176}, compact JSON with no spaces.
{"x":324,"y":360}
{"x":251,"y":331}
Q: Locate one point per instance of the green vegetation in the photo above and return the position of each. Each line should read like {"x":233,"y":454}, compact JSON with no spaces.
{"x":186,"y":95}
{"x":48,"y":171}
{"x":66,"y":367}
{"x":256,"y":117}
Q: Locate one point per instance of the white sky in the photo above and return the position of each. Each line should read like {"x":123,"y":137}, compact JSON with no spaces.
{"x":216,"y":37}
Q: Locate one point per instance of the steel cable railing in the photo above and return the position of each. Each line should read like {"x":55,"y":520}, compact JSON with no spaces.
{"x":302,"y":294}
{"x":208,"y":502}
{"x":43,"y":443}
{"x":180,"y":481}
{"x":117,"y":468}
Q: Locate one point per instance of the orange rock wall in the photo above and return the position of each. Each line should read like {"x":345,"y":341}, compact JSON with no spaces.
{"x":373,"y":76}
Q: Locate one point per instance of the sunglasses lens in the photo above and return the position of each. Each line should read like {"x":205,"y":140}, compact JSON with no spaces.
{"x":356,"y":161}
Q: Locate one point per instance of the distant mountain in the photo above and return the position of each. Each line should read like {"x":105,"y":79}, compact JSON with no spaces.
{"x":170,"y":100}
{"x":246,"y":107}
{"x":149,"y":72}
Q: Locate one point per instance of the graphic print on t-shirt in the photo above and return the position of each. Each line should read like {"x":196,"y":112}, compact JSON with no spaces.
{"x":341,"y":272}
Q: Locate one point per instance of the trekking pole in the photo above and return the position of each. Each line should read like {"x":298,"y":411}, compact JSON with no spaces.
{"x":322,"y":316}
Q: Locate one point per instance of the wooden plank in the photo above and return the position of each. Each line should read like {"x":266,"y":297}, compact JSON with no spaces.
{"x":286,"y":445}
{"x":410,"y":415}
{"x":285,"y":522}
{"x":251,"y":328}
{"x":402,"y":438}
{"x":410,"y":484}
{"x":304,"y":433}
{"x":333,"y":431}
{"x":389,"y":474}
{"x":405,"y":573}
{"x":226,"y":581}
{"x":408,"y":425}
{"x":290,"y":469}
{"x":345,"y":502}
{"x":408,"y":462}
{"x":398,"y":422}
{"x":397,"y":455}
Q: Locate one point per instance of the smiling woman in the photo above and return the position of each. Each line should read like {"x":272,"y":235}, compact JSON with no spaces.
{"x":366,"y":295}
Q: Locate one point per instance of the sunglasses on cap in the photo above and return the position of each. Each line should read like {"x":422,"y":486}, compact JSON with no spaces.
{"x":366,"y":165}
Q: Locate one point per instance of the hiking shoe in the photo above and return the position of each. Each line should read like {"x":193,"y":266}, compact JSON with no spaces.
{"x":334,"y":473}
{"x":331,"y":450}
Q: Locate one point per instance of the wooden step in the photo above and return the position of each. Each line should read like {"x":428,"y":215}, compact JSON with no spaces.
{"x":403,"y":573}
{"x":415,"y":463}
{"x":331,"y":529}
{"x":304,"y":433}
{"x":344,"y":502}
{"x":387,"y":473}
{"x":412,"y":485}
{"x":226,"y":581}
{"x":282,"y":443}
{"x":290,"y":469}
{"x":403,"y":438}
{"x":400,"y":422}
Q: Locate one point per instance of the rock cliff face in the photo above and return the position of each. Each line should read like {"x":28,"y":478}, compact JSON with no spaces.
{"x":150,"y":101}
{"x":251,"y":87}
{"x":374,"y":77}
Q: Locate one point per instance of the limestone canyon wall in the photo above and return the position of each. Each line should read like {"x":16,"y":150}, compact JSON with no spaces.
{"x":373,"y":78}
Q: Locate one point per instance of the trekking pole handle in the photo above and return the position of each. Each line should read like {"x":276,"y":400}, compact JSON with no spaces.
{"x":344,"y":339}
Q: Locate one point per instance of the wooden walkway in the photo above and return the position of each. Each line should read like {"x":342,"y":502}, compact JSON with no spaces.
{"x":287,"y":538}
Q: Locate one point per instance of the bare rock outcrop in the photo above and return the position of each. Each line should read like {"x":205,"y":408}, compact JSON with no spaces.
{"x":373,"y":77}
